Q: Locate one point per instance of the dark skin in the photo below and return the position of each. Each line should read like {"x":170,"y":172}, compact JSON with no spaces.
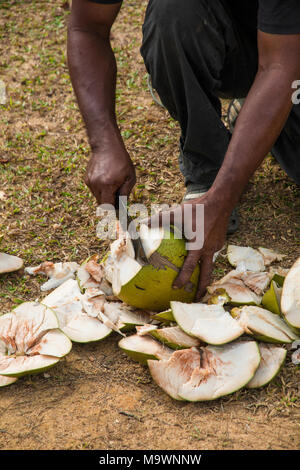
{"x":263,"y":116}
{"x":93,"y":72}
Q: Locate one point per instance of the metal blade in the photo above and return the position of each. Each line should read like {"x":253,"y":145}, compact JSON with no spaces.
{"x":129,"y":225}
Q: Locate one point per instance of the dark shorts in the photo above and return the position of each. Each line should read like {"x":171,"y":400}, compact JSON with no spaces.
{"x":197,"y":54}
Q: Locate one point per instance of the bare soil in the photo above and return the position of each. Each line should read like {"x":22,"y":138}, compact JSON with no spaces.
{"x":97,"y":398}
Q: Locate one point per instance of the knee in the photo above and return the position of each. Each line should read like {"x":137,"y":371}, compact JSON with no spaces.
{"x":174,"y":17}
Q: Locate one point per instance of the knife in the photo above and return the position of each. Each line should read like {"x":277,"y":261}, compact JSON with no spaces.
{"x":129,"y":225}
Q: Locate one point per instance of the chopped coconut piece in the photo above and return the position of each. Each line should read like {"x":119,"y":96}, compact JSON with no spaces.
{"x":142,"y":348}
{"x":68,"y":304}
{"x":223,"y":370}
{"x":30,"y":340}
{"x":243,"y":287}
{"x":270,"y":256}
{"x":257,"y":282}
{"x":210,"y":323}
{"x":238,"y":293}
{"x":290,"y":299}
{"x":9,"y":263}
{"x":145,"y":329}
{"x":245,"y":258}
{"x":171,"y":374}
{"x":272,"y":298}
{"x":278,"y":271}
{"x":95,"y":269}
{"x":164,"y":317}
{"x":124,"y":316}
{"x":272,"y":359}
{"x":93,"y":301}
{"x":151,"y":239}
{"x":208,"y":373}
{"x":263,"y":325}
{"x":121,"y":266}
{"x":92,"y":275}
{"x":4,"y":381}
{"x":175,"y":338}
{"x":296,"y":357}
{"x":58,"y":273}
{"x":107,"y":322}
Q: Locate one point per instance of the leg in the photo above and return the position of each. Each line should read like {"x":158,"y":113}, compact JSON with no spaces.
{"x":194,"y":54}
{"x":287,"y":147}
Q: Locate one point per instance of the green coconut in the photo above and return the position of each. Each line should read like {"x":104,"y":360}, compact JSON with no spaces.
{"x":149,"y":286}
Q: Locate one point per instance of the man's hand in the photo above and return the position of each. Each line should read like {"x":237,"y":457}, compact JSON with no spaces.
{"x":216,"y":217}
{"x":109,"y":170}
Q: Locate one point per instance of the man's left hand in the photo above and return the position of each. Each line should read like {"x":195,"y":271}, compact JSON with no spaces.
{"x":216,"y":217}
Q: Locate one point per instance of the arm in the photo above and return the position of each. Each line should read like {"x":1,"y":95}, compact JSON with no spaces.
{"x":263,"y":116}
{"x":259,"y":124}
{"x":93,"y":72}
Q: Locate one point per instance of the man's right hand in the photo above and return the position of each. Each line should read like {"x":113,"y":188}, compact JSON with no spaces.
{"x":110,"y":170}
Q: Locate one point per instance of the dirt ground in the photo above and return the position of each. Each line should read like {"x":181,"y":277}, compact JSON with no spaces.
{"x":96,"y":398}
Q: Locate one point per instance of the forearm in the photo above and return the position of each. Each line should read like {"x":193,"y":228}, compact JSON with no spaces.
{"x":259,"y":124}
{"x":93,"y":72}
